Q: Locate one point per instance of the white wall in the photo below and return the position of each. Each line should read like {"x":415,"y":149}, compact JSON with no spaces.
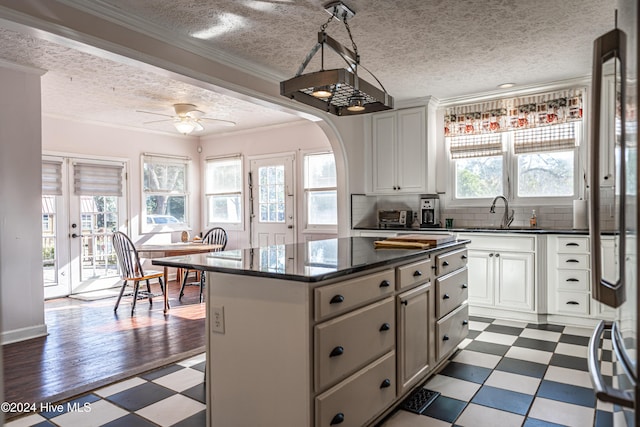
{"x":297,"y":137}
{"x":21,"y":290}
{"x":72,"y":138}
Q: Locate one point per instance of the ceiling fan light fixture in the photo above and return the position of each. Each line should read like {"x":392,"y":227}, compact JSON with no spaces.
{"x":333,"y":90}
{"x":184,"y":125}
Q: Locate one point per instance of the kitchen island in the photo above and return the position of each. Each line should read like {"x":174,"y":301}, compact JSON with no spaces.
{"x":329,"y":332}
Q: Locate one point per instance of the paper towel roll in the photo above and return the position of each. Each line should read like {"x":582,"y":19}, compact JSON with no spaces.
{"x":580,"y":215}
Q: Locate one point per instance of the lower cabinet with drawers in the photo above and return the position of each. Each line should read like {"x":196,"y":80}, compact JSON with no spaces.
{"x":569,"y":276}
{"x":344,"y":352}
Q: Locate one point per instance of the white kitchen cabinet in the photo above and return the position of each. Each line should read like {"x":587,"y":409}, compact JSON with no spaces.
{"x":502,"y":272}
{"x":399,"y":152}
{"x":569,"y":276}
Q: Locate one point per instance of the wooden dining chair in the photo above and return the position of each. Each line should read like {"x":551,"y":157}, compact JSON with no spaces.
{"x":131,"y":271}
{"x":214,"y":236}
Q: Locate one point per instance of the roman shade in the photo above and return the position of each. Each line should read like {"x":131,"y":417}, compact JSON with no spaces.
{"x":51,"y":178}
{"x":91,"y":179}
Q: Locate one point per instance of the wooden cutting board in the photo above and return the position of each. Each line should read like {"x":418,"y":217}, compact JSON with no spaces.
{"x":431,"y":239}
{"x":400,"y":245}
{"x":414,"y":241}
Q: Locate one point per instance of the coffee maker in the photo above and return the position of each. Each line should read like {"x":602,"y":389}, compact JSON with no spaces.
{"x":429,"y":211}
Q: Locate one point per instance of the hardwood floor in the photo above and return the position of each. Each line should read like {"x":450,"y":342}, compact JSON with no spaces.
{"x":89,"y":345}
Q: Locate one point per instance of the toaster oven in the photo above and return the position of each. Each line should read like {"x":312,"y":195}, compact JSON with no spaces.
{"x":394,"y":218}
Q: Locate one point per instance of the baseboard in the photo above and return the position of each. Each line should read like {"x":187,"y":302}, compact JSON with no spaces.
{"x":23,"y":334}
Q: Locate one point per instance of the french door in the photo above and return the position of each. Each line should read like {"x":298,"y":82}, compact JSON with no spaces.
{"x":273,"y":221}
{"x":83,"y":203}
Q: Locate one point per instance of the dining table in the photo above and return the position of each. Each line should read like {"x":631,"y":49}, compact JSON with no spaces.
{"x":174,"y":249}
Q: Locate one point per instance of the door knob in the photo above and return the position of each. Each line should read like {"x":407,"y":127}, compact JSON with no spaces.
{"x":75,"y":236}
{"x":289,"y":226}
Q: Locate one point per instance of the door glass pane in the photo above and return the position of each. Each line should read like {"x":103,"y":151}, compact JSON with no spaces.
{"x":49,"y":261}
{"x":98,"y":221}
{"x":271,"y":194}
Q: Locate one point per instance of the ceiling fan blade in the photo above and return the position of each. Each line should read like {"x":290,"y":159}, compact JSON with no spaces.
{"x":151,"y":112}
{"x":155,"y":121}
{"x":220,"y":121}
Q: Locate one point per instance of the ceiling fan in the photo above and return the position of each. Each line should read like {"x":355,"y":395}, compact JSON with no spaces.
{"x":187,"y":118}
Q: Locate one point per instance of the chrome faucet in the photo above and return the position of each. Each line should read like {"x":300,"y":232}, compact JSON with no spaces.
{"x":507,"y":218}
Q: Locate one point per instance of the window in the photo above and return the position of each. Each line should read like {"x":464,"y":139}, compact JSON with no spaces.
{"x":537,"y":163}
{"x":223,"y":190}
{"x":321,"y":195}
{"x":165,"y":192}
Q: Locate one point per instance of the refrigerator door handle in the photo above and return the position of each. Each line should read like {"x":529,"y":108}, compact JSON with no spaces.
{"x":611,"y":45}
{"x":604,"y":392}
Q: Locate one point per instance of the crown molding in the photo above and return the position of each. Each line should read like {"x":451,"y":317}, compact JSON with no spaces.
{"x":106,"y":11}
{"x":515,"y":92}
{"x":22,"y":68}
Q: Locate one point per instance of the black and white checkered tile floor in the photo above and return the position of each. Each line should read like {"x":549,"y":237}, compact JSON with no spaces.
{"x":505,"y":374}
{"x":516,"y":374}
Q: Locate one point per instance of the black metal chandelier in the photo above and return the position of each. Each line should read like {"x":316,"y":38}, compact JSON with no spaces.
{"x":338,"y":91}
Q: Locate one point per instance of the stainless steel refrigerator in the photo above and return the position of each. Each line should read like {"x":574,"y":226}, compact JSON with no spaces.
{"x":613,"y":209}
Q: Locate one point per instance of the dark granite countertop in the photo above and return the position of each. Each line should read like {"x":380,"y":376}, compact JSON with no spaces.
{"x":312,"y":261}
{"x":519,"y":230}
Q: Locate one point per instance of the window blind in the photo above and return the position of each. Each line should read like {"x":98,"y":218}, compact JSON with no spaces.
{"x":52,"y":177}
{"x":97,"y":179}
{"x":544,"y":139}
{"x":223,"y":176}
{"x":463,"y":147}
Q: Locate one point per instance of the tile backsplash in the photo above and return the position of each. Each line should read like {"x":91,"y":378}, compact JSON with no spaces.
{"x":364,"y":210}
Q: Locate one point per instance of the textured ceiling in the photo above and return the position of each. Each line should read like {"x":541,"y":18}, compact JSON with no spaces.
{"x":416,"y":48}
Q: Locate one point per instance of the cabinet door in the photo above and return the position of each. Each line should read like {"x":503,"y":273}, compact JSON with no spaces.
{"x":515,"y":278}
{"x":480,"y":264}
{"x":384,"y":153}
{"x":414,"y":329}
{"x":411,"y":151}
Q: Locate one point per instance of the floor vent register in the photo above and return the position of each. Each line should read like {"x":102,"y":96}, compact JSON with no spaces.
{"x":419,"y":400}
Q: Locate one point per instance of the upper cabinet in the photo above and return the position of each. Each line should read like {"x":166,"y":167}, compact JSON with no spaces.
{"x":400,"y":152}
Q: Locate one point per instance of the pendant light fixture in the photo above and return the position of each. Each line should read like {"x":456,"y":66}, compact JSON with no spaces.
{"x":338,"y":91}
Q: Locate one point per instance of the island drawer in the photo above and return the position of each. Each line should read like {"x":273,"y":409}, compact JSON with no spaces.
{"x":451,"y":291}
{"x":347,"y":343}
{"x":450,"y":261}
{"x":360,"y":397}
{"x":415,"y":273}
{"x":572,"y":302}
{"x":573,"y":280}
{"x":340,"y":297}
{"x":451,"y":330}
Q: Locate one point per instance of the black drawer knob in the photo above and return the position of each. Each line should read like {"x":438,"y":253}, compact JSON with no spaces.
{"x":336,"y":351}
{"x":417,"y":273}
{"x":386,"y":383}
{"x":465,"y":286}
{"x":337,"y":299}
{"x":404,"y":302}
{"x":465,"y":322}
{"x":572,"y":244}
{"x":385,"y":284}
{"x":445,"y":338}
{"x":337,"y":419}
{"x":572,"y":261}
{"x":446,"y":296}
{"x":385,"y":327}
{"x":572,"y":279}
{"x":445,"y":263}
{"x":573,"y":303}
{"x":463,"y":257}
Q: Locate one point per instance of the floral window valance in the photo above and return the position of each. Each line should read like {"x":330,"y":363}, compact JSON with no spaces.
{"x":514,"y":113}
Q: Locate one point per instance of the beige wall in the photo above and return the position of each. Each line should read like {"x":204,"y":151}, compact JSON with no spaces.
{"x":21,"y":291}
